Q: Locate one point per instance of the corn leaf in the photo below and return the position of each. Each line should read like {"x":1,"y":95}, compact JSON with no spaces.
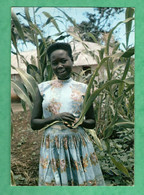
{"x":129,"y":80}
{"x":89,"y":34}
{"x":110,"y":34}
{"x":18,"y":26}
{"x":13,"y":38}
{"x":28,"y":81}
{"x":128,"y":53}
{"x":115,"y":48}
{"x":95,"y":138}
{"x":108,"y":70}
{"x":126,"y":124}
{"x":28,"y":18}
{"x":101,"y":53}
{"x":34,"y":72}
{"x":92,"y":97}
{"x":120,"y":166}
{"x":69,"y":18}
{"x":75,"y":36}
{"x":126,"y":69}
{"x":21,"y":92}
{"x":129,"y":13}
{"x":52,"y":20}
{"x":92,"y":79}
{"x":121,"y":86}
{"x":37,"y":31}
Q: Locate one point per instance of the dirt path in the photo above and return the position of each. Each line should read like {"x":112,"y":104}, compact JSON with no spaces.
{"x":25,"y":146}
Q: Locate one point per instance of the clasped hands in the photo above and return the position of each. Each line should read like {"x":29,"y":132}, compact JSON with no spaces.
{"x":67,"y":118}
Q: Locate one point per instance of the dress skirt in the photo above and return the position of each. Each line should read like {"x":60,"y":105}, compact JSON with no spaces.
{"x":67,"y":158}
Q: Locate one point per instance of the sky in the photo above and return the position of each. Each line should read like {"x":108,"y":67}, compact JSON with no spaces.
{"x":76,"y":13}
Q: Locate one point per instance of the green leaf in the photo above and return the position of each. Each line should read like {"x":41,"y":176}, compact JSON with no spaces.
{"x":34,"y":72}
{"x":21,"y":92}
{"x":117,"y":55}
{"x":108,"y":70}
{"x":75,"y":36}
{"x":37,"y":9}
{"x":121,"y":86}
{"x":13,"y":38}
{"x":109,"y":129}
{"x":107,"y":143}
{"x":26,"y":10}
{"x":68,"y":17}
{"x":89,"y":101}
{"x":115,"y":48}
{"x":18,"y":26}
{"x":37,"y":31}
{"x":120,"y":166}
{"x":28,"y":81}
{"x":96,"y":139}
{"x":108,"y":132}
{"x":126,"y":69}
{"x":110,"y":33}
{"x":50,"y":72}
{"x":129,"y":13}
{"x":129,"y":80}
{"x":126,"y":124}
{"x":101,"y":53}
{"x":89,"y":34}
{"x":128,"y":53}
{"x":23,"y":105}
{"x":92,"y":79}
{"x":52,"y":20}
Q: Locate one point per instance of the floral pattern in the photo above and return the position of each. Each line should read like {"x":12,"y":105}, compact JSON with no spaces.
{"x":54,"y":107}
{"x":76,"y":95}
{"x":67,"y":156}
{"x":56,"y":84}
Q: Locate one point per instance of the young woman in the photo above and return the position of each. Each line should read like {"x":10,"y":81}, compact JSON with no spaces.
{"x":67,"y":156}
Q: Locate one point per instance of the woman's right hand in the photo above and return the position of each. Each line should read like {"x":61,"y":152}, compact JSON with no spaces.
{"x":65,"y":117}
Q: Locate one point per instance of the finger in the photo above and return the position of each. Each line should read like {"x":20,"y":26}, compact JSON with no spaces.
{"x":68,"y":125}
{"x":70,"y":116}
{"x":69,"y":119}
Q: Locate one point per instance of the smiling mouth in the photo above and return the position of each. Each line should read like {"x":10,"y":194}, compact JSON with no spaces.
{"x":61,"y":72}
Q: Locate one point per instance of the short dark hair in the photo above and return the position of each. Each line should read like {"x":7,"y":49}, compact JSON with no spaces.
{"x":63,"y":46}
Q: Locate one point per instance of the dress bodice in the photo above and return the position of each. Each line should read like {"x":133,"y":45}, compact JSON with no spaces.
{"x":62,"y":96}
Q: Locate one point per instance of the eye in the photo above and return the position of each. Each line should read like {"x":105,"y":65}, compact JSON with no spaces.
{"x":63,"y":61}
{"x":54,"y":63}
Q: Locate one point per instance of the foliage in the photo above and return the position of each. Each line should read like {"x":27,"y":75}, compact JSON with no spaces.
{"x":114,"y":103}
{"x":99,"y":22}
{"x":112,"y":95}
{"x":40,"y":70}
{"x":121,"y":149}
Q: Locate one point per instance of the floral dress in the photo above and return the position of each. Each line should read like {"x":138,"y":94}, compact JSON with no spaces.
{"x":67,"y":156}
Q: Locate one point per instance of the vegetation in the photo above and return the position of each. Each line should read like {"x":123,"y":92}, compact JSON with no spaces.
{"x":112,"y":96}
{"x":99,"y":22}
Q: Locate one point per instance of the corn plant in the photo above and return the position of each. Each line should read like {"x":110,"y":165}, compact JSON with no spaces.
{"x":113,"y":96}
{"x":38,"y":71}
{"x":113,"y":99}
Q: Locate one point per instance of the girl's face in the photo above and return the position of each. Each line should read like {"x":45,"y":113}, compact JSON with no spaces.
{"x":61,"y":64}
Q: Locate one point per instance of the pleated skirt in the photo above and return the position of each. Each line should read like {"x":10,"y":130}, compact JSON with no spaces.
{"x":67,"y":158}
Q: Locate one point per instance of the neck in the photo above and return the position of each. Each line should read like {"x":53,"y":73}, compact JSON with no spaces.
{"x":66,"y":79}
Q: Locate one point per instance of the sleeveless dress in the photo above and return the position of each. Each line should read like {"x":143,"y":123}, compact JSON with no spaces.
{"x":67,"y":156}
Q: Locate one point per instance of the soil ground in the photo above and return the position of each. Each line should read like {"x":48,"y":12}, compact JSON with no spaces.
{"x":25,"y":147}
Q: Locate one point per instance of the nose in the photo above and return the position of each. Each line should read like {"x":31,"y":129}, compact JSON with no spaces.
{"x":60,"y":65}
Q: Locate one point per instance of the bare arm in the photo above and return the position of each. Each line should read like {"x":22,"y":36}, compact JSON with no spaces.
{"x":37,"y":122}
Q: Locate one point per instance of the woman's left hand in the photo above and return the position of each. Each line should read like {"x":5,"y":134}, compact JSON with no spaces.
{"x":88,"y":123}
